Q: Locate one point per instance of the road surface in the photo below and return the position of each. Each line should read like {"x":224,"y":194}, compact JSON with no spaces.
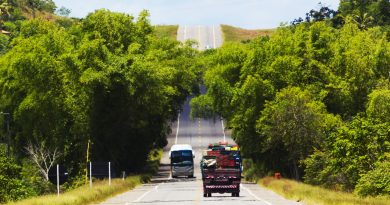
{"x":206,"y":36}
{"x":164,"y":190}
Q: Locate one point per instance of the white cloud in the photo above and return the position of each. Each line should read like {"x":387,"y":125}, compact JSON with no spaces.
{"x":246,"y":14}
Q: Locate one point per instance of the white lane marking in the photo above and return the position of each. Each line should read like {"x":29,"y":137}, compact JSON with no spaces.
{"x":199,"y":38}
{"x":156,"y":188}
{"x":223,"y":130}
{"x":214,"y":45}
{"x":143,"y":195}
{"x":177,"y":129}
{"x":185,"y":32}
{"x":200,"y":136}
{"x":256,"y":197}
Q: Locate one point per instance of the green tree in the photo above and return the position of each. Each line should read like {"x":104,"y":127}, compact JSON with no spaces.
{"x":378,"y":106}
{"x":366,"y":12}
{"x":297,"y":122}
{"x":4,"y":41}
{"x":348,"y":153}
{"x":12,"y":185}
{"x":377,"y":181}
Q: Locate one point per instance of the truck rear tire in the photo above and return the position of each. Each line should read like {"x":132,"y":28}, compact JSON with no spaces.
{"x":209,"y":194}
{"x":235,"y":194}
{"x":204,"y":195}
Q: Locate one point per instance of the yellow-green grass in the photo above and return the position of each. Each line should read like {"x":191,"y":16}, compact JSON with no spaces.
{"x":235,"y":34}
{"x":84,"y":194}
{"x":311,"y":195}
{"x":166,"y":31}
{"x":100,"y":190}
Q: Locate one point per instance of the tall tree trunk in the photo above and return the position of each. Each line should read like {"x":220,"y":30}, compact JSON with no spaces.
{"x":296,"y":171}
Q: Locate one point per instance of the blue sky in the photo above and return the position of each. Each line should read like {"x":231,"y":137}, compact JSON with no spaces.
{"x":242,"y":13}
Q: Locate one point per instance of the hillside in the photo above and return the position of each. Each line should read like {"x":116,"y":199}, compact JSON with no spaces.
{"x":235,"y":34}
{"x":12,"y":10}
{"x":169,"y":31}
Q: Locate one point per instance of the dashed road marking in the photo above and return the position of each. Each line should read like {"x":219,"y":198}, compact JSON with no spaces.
{"x":143,"y":195}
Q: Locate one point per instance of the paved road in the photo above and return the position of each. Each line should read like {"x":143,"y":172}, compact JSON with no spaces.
{"x":163,"y":190}
{"x":206,"y":36}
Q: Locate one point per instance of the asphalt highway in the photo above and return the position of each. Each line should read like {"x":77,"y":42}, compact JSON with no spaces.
{"x":207,"y":36}
{"x":165,"y":190}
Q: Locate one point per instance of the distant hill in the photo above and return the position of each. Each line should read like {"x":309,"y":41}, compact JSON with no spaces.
{"x":235,"y":34}
{"x":14,"y":10}
{"x":169,"y":31}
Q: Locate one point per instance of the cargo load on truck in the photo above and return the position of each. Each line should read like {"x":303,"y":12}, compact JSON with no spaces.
{"x":221,"y":169}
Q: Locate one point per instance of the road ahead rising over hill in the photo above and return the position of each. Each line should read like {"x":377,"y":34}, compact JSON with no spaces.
{"x":164,"y":190}
{"x":206,"y":36}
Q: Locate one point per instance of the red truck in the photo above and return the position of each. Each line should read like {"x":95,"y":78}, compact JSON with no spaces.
{"x":221,"y":170}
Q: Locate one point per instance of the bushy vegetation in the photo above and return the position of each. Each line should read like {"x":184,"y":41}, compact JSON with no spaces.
{"x":85,"y":195}
{"x":11,"y":182}
{"x":234,"y":34}
{"x":13,"y":10}
{"x":312,"y":195}
{"x":310,"y":101}
{"x":166,"y":31}
{"x":104,"y":88}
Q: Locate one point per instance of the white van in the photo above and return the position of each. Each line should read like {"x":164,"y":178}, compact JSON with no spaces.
{"x":182,"y":160}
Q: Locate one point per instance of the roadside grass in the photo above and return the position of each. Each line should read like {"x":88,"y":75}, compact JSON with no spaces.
{"x":84,"y":194}
{"x":166,"y":31}
{"x":311,"y":195}
{"x":100,"y":190}
{"x":235,"y":34}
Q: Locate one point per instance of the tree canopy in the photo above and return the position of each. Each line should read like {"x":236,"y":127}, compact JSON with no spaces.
{"x":108,"y":80}
{"x":311,"y":101}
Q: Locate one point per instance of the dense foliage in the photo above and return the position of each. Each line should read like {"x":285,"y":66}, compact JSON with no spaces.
{"x":311,"y":101}
{"x":107,"y":80}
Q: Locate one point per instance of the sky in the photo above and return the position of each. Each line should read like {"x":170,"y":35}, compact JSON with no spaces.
{"x":250,"y":14}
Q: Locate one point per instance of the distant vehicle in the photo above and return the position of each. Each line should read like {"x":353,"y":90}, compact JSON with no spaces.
{"x":221,"y":168}
{"x":182,"y":160}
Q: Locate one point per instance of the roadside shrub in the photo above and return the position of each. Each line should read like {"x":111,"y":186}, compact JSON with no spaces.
{"x":4,"y":40}
{"x":31,"y":177}
{"x":253,"y":171}
{"x":13,"y":187}
{"x":377,"y":181}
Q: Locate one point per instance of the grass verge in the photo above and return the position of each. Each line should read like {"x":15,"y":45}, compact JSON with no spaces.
{"x":100,"y":190}
{"x":84,"y":194}
{"x":311,"y":195}
{"x":235,"y":34}
{"x":166,"y":31}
